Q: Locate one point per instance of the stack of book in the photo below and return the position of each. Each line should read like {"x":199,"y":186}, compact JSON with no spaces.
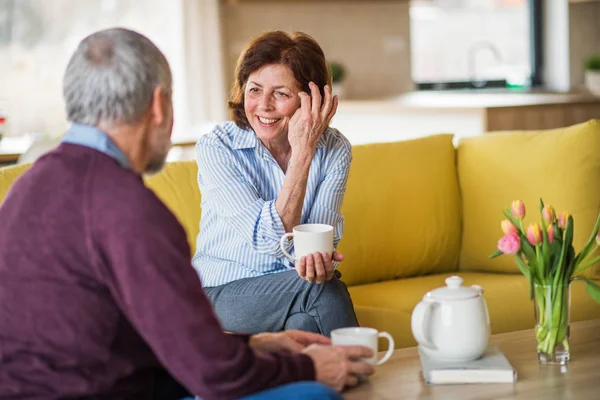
{"x":492,"y":367}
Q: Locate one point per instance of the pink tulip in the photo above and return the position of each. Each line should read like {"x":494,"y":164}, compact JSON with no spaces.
{"x":548,"y":214}
{"x":517,"y":208}
{"x":562,"y":219}
{"x":550,"y":232}
{"x":509,"y":227}
{"x":534,"y":234}
{"x":509,"y":244}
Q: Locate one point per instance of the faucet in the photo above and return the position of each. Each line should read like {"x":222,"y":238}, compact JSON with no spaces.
{"x":472,"y":52}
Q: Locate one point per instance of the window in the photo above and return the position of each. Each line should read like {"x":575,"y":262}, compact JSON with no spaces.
{"x":37,"y":38}
{"x":475,"y":43}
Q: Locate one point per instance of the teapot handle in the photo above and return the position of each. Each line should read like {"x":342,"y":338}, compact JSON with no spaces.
{"x":420,"y":322}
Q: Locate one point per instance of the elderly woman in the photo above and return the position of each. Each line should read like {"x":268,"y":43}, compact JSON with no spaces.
{"x":276,"y":165}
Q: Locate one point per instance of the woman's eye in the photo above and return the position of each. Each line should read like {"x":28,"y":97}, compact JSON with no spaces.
{"x":282,"y":94}
{"x":253,"y":90}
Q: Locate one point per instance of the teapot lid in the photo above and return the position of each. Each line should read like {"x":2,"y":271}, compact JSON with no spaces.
{"x":454,"y":290}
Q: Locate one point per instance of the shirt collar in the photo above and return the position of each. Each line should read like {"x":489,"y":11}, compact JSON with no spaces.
{"x":94,"y":138}
{"x":246,"y":138}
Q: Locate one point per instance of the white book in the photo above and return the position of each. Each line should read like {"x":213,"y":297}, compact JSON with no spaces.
{"x":492,"y":367}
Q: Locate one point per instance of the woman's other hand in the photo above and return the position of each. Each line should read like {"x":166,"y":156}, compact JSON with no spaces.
{"x":312,"y":118}
{"x":317,"y":267}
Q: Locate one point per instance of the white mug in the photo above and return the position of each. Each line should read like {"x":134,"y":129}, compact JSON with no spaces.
{"x":308,"y":239}
{"x":363,"y":337}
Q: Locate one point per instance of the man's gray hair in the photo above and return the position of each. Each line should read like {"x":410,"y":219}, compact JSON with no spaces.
{"x":111,"y":78}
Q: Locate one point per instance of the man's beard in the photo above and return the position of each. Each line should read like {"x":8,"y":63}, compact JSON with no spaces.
{"x":158,"y":158}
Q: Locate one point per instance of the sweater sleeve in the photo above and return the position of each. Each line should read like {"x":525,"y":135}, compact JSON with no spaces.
{"x":143,"y":254}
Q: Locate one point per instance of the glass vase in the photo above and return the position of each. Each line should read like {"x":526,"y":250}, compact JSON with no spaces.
{"x":552,"y":306}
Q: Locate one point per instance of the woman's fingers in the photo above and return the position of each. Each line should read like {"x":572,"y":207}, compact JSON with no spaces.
{"x":332,"y":111}
{"x":327,"y":103}
{"x":319,"y":267}
{"x":310,"y":268}
{"x":316,"y":100}
{"x":328,"y":265}
{"x":305,"y":103}
{"x":337,"y":256}
{"x":301,"y":267}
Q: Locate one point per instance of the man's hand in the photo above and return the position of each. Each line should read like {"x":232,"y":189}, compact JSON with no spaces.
{"x":317,"y":267}
{"x":291,"y":341}
{"x":338,"y":366}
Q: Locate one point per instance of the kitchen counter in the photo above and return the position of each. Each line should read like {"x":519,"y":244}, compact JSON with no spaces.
{"x":461,"y":112}
{"x":469,"y":100}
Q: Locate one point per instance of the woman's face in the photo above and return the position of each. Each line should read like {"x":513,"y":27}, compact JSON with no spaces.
{"x":270,"y":100}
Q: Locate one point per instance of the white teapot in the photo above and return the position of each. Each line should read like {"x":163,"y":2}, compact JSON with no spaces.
{"x":452,"y":323}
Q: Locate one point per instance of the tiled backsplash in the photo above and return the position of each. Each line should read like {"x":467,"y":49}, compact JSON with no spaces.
{"x":371,"y":38}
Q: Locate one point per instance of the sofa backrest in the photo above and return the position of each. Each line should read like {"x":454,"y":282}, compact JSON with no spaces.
{"x":402,"y":208}
{"x":402,"y":211}
{"x":176,"y":185}
{"x":8,"y":175}
{"x":562,"y":166}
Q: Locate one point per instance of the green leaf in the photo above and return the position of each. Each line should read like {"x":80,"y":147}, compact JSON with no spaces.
{"x":564,"y":251}
{"x":523,"y":267}
{"x":586,"y":265}
{"x":496,"y":254}
{"x":529,"y":251}
{"x":592,"y":287}
{"x":584,"y":253}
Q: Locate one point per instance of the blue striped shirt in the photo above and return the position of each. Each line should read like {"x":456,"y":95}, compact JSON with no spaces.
{"x":240,"y":180}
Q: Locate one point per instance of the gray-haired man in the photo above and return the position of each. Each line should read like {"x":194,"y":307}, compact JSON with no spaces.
{"x":97,"y":294}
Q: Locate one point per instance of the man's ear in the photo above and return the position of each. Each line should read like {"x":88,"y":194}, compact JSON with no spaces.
{"x":157,"y":107}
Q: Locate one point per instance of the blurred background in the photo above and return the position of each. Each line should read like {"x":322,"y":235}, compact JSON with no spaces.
{"x":407,"y":68}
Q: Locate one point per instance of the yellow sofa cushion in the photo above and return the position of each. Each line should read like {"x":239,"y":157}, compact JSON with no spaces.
{"x":176,"y":185}
{"x":506,"y":295}
{"x":560,"y":165}
{"x":8,"y":175}
{"x":402,"y":211}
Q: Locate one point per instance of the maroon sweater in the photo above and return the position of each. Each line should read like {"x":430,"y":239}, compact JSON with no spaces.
{"x":97,"y":289}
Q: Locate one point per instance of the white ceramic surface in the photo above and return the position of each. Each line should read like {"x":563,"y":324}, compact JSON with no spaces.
{"x":363,"y":337}
{"x":452,"y":323}
{"x":308,"y":239}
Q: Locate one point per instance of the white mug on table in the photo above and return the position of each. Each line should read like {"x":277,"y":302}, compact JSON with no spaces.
{"x":308,"y":239}
{"x":361,"y":336}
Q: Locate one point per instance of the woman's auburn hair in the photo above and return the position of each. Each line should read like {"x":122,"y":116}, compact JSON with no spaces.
{"x":298,"y":51}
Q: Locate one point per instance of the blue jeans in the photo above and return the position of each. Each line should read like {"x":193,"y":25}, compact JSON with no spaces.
{"x":282,"y":301}
{"x":295,"y":391}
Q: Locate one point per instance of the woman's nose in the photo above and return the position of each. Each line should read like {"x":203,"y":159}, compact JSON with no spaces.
{"x":265,"y":102}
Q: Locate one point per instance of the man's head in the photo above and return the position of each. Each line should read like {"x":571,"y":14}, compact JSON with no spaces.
{"x":120,"y":82}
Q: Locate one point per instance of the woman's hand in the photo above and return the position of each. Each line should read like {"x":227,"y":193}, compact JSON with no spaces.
{"x":291,"y":341}
{"x":317,"y":267}
{"x":311,"y":119}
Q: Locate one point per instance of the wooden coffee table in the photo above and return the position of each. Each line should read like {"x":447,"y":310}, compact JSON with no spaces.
{"x":401,"y":378}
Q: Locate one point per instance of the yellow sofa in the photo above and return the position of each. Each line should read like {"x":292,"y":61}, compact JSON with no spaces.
{"x":421,"y":210}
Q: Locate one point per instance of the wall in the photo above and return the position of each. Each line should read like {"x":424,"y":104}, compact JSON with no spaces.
{"x":584,"y":21}
{"x":371,"y":38}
